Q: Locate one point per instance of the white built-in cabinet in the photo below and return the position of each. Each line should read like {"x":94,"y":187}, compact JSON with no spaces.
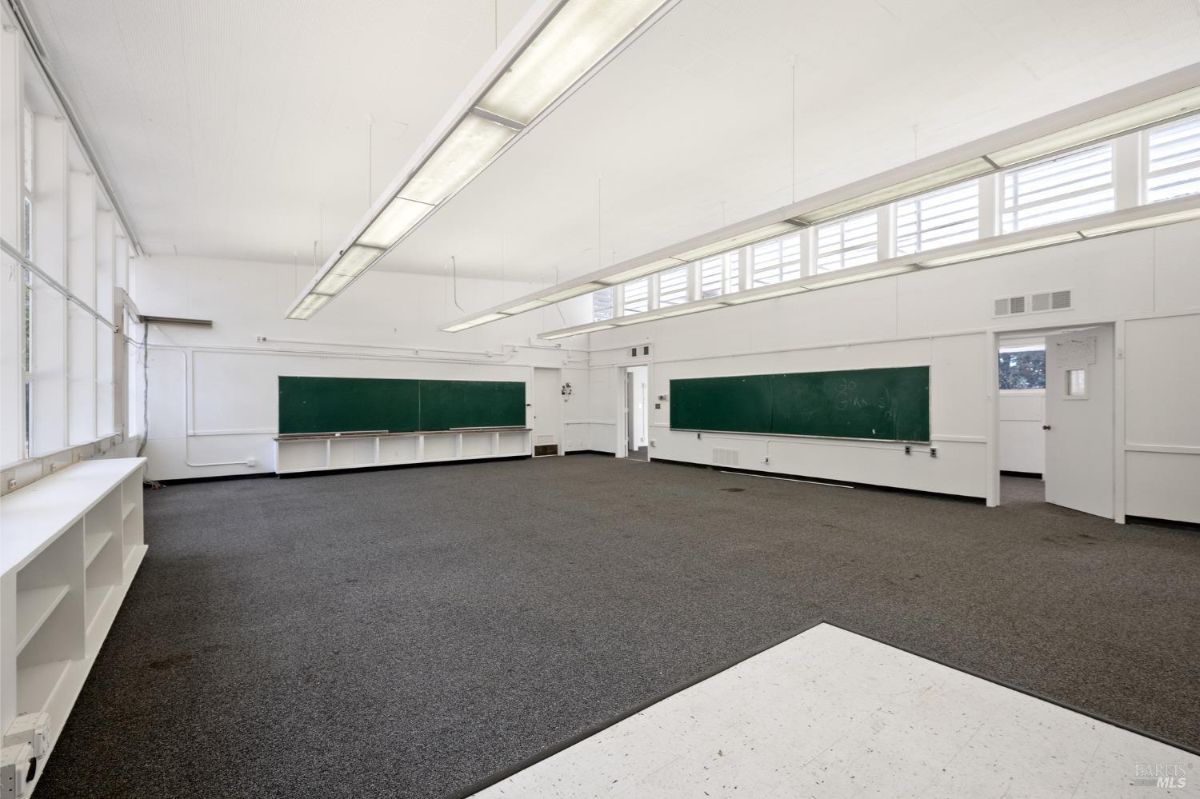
{"x":70,"y":545}
{"x":315,"y":453}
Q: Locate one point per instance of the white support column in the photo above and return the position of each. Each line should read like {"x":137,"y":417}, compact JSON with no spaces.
{"x":808,"y":257}
{"x":885,"y":232}
{"x":1129,"y":165}
{"x":990,"y":187}
{"x":693,"y":281}
{"x":745,"y":268}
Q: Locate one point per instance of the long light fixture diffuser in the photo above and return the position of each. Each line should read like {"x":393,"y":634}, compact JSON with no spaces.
{"x":394,"y":221}
{"x":1139,"y":116}
{"x":898,"y":191}
{"x":577,"y":38}
{"x":740,"y":240}
{"x":1001,"y":249}
{"x":558,"y":45}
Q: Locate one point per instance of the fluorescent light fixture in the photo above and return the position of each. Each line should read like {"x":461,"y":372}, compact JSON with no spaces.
{"x":666,"y":313}
{"x":641,"y":271}
{"x":918,"y":185}
{"x":820,"y":282}
{"x":1143,"y":223}
{"x":578,"y":37}
{"x":461,"y":156}
{"x":523,"y":307}
{"x":1139,"y":116}
{"x":396,"y":219}
{"x":354,"y":262}
{"x":574,"y":331}
{"x":1001,"y":249}
{"x":479,"y":320}
{"x":573,"y":291}
{"x":309,"y":306}
{"x":735,"y":299}
{"x":740,"y":240}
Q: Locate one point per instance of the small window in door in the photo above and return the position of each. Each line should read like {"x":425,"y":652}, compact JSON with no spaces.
{"x":1077,"y":383}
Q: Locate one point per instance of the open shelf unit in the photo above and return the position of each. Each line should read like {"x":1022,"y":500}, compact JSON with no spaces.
{"x":72,"y":543}
{"x":315,"y":453}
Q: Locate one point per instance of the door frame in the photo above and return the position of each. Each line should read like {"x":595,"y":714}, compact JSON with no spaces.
{"x":621,"y":386}
{"x":993,"y":406}
{"x":560,"y":433}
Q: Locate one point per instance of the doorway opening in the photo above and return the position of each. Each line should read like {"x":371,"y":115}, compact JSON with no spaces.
{"x":547,"y":412}
{"x":636,"y":392}
{"x":1055,"y":418}
{"x":1021,"y":411}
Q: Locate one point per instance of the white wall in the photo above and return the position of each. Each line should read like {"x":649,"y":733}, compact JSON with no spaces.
{"x":1147,"y":281}
{"x":213,"y":392}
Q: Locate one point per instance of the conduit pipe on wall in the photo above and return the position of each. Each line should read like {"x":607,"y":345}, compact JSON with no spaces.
{"x":489,"y":354}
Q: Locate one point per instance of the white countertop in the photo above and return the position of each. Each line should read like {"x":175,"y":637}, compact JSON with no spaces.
{"x":33,"y":516}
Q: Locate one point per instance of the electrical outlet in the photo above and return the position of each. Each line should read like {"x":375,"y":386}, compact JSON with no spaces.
{"x":251,"y":462}
{"x":933,"y":452}
{"x":17,"y":767}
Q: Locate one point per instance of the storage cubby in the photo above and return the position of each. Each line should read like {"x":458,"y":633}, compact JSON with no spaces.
{"x":72,"y":543}
{"x":345,"y":453}
{"x":312,"y":453}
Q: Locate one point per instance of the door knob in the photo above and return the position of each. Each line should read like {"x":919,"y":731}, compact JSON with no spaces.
{"x":1045,"y":427}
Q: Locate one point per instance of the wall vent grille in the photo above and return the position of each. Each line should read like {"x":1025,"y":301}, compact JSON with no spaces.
{"x":723,"y":456}
{"x":1033,"y":303}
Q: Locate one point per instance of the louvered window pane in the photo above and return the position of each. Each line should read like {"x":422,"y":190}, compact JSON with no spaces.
{"x":938,"y":219}
{"x":1068,"y":187}
{"x":719,"y":274}
{"x":673,"y":286}
{"x":637,"y":296}
{"x":852,"y":241}
{"x":775,"y":260}
{"x":1173,"y":160}
{"x":602,"y":305}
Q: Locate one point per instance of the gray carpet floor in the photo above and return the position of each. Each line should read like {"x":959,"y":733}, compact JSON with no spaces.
{"x":409,"y":632}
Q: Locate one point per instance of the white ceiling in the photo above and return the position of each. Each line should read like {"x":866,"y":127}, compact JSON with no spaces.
{"x":239,"y":129}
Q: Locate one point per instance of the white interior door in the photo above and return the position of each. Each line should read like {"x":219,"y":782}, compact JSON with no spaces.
{"x":547,"y":412}
{"x":1079,"y":420}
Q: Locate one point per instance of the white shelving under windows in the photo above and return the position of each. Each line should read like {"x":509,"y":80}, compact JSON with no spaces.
{"x":72,"y":544}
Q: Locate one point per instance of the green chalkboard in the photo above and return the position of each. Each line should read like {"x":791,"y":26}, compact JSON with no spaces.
{"x":884,"y":404}
{"x":446,"y":404}
{"x":345,"y":404}
{"x":349,"y":404}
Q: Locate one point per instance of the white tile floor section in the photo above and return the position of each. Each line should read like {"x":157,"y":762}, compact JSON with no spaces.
{"x":833,"y":714}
